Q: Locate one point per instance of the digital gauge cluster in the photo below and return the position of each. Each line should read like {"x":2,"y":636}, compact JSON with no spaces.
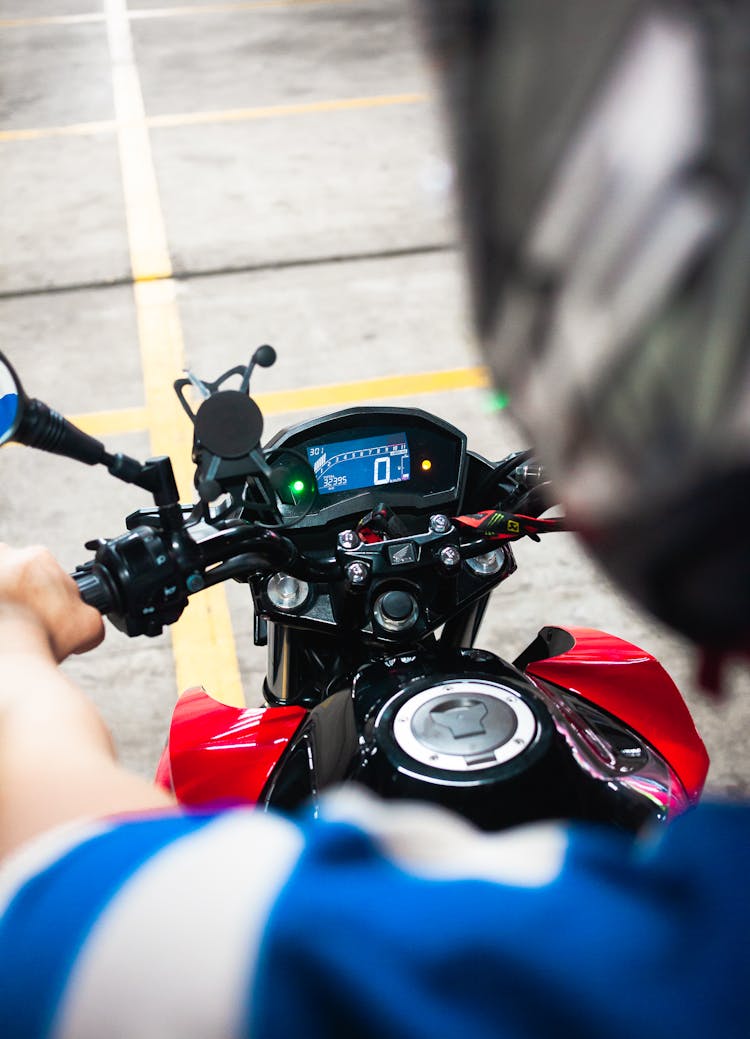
{"x":353,"y":464}
{"x":348,"y":462}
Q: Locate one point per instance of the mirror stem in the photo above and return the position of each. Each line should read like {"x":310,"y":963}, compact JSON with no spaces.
{"x":156,"y":476}
{"x":46,"y":429}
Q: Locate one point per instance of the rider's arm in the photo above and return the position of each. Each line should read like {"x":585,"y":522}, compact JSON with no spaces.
{"x":56,"y":757}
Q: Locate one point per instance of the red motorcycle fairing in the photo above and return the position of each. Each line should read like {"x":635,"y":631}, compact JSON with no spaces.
{"x":221,"y":754}
{"x":628,"y":683}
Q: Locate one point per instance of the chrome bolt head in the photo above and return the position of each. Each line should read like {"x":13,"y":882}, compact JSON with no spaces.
{"x":439,"y":524}
{"x":348,"y":539}
{"x":450,"y":557}
{"x":357,"y":573}
{"x":487,"y":564}
{"x":286,"y":592}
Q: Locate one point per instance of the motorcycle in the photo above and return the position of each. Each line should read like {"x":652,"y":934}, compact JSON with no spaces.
{"x":371,"y":540}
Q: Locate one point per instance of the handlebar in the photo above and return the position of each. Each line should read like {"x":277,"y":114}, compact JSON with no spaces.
{"x":96,"y":591}
{"x":143,"y":579}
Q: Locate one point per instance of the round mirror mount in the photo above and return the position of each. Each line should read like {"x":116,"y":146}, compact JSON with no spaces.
{"x":12,"y":401}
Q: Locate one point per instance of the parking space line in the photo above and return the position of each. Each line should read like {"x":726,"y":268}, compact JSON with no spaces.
{"x":335,"y":395}
{"x":52,"y":19}
{"x":230,"y":8}
{"x":202,"y":640}
{"x":229,"y":115}
{"x":345,"y":394}
{"x":71,"y":130}
{"x":241,"y":115}
{"x":182,"y":11}
{"x":112,"y":423}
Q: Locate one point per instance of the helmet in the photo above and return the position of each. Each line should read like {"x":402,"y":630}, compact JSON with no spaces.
{"x":604,"y":163}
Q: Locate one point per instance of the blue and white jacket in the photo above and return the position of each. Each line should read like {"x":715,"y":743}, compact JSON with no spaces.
{"x":389,"y":920}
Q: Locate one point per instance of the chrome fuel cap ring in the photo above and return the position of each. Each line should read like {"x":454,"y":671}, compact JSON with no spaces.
{"x":464,"y":725}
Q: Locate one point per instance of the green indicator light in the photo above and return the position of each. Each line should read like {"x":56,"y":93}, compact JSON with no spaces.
{"x":298,"y":486}
{"x":497,"y":401}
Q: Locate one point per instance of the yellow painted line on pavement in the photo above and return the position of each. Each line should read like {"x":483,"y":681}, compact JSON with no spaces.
{"x":344,"y":394}
{"x":71,"y":130}
{"x":51,"y":19}
{"x":229,"y":115}
{"x":242,"y":115}
{"x":251,"y":5}
{"x":181,"y":11}
{"x":202,"y":640}
{"x":112,"y":423}
{"x":336,"y":395}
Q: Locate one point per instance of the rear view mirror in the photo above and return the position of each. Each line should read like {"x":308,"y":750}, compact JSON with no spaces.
{"x":32,"y":422}
{"x":12,"y":401}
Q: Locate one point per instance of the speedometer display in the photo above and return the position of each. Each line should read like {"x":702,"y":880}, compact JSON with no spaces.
{"x":353,"y":464}
{"x":334,"y":469}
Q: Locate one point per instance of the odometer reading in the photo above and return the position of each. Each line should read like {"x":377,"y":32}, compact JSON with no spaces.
{"x":353,"y":464}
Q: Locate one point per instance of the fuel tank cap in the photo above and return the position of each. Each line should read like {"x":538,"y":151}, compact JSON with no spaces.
{"x":464,"y":725}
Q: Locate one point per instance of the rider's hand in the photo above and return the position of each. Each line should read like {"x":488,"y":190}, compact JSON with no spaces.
{"x":34,"y":588}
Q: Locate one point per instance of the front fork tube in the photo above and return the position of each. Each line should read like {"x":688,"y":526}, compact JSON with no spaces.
{"x":283,"y":667}
{"x":300,"y":666}
{"x":290,"y":670}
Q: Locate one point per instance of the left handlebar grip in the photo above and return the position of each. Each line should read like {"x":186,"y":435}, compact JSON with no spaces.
{"x":95,"y":591}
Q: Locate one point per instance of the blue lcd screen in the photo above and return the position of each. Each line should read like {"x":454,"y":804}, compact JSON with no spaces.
{"x":353,"y":464}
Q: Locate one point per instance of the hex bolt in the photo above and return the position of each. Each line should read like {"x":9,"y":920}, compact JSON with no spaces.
{"x":439,"y":524}
{"x":348,"y":539}
{"x":357,"y":573}
{"x":450,"y":557}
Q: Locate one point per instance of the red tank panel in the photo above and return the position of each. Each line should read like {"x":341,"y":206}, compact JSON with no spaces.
{"x":221,"y":754}
{"x":163,"y":777}
{"x":632,"y":685}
